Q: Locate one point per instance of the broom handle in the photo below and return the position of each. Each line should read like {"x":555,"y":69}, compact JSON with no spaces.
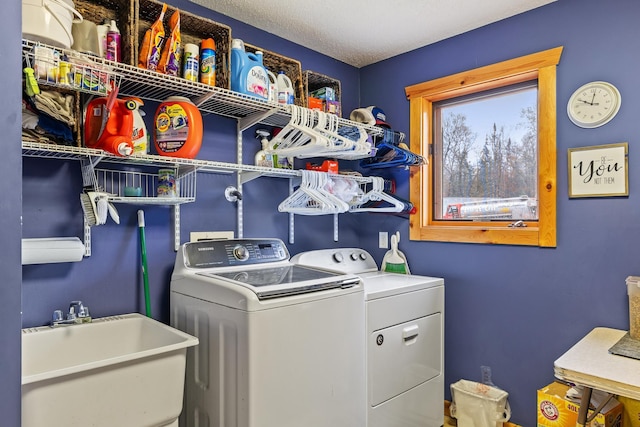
{"x":145,"y":274}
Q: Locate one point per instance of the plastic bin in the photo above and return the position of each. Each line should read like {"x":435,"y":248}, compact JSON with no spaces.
{"x":633,"y":290}
{"x":479,"y":405}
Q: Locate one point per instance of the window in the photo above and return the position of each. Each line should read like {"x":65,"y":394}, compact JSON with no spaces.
{"x":497,"y":187}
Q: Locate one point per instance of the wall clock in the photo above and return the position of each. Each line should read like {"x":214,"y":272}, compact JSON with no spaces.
{"x":594,"y":104}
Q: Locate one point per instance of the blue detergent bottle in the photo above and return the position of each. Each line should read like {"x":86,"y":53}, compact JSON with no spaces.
{"x":248,"y":75}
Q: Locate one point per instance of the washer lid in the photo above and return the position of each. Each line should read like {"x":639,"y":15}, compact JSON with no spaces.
{"x":380,"y":284}
{"x":283,"y":280}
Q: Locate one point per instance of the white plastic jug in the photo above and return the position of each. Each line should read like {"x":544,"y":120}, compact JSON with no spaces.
{"x":479,"y":405}
{"x":273,"y":87}
{"x":285,"y":89}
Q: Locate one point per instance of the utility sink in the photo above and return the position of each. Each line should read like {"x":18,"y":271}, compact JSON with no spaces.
{"x":125,"y":370}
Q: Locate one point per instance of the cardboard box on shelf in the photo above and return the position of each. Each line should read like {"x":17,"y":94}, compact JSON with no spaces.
{"x":554,"y":410}
{"x":631,"y":412}
{"x":315,"y":104}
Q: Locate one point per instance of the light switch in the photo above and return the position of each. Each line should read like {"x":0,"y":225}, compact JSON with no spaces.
{"x":383,"y":240}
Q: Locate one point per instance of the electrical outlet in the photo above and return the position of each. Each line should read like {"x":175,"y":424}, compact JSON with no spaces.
{"x":196,"y":236}
{"x":383,"y":240}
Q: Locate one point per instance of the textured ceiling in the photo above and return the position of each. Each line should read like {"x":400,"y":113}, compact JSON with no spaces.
{"x":362,"y":32}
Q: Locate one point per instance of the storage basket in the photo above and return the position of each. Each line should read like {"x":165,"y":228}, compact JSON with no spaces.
{"x":193,"y":29}
{"x":313,"y":81}
{"x":275,"y":63}
{"x":121,"y":11}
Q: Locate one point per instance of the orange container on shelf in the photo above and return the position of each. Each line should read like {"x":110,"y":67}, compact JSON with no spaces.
{"x":178,"y":128}
{"x":110,"y":130}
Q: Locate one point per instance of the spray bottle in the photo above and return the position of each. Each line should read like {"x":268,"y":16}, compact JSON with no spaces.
{"x":263,"y":158}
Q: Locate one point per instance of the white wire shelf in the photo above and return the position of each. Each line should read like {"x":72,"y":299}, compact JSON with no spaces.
{"x":151,"y":85}
{"x":53,"y":151}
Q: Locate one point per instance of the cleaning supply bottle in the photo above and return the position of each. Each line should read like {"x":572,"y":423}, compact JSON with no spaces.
{"x":263,"y":158}
{"x":273,"y":87}
{"x":178,"y":128}
{"x":109,"y":130}
{"x":191,"y":62}
{"x":285,"y":89}
{"x":102,"y":30}
{"x":140,"y":136}
{"x":248,"y":74}
{"x":208,"y":62}
{"x":113,"y":42}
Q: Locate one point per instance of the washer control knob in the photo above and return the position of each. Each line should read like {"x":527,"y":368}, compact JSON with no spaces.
{"x":363,"y":256}
{"x":241,"y":253}
{"x":337,"y":257}
{"x":354,"y":256}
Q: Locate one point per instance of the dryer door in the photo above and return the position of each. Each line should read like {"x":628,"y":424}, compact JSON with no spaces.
{"x":404,"y":356}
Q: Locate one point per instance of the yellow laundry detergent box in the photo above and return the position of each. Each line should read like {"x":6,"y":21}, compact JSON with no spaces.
{"x":554,"y":410}
{"x":631,"y":412}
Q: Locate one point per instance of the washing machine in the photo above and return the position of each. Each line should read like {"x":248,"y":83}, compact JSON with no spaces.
{"x":405,"y":339}
{"x":281,"y":345}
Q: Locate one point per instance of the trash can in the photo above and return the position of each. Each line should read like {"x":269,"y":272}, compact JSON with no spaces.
{"x":479,"y":405}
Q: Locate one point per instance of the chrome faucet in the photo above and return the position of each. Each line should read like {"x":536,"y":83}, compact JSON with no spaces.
{"x":77,"y":314}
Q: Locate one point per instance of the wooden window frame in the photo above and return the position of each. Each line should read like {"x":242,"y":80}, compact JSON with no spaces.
{"x":423,"y":226}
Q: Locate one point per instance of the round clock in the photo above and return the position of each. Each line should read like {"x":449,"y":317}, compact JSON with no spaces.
{"x":594,"y":104}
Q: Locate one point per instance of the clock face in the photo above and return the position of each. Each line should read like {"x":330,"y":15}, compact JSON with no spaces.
{"x":594,"y":104}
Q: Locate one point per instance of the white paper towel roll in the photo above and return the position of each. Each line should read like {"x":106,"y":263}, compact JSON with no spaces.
{"x":52,"y":249}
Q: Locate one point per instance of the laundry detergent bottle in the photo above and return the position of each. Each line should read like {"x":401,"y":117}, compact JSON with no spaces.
{"x":248,"y":74}
{"x":285,"y":89}
{"x":178,"y":128}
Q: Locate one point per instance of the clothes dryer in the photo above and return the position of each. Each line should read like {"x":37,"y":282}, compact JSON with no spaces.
{"x":405,"y":339}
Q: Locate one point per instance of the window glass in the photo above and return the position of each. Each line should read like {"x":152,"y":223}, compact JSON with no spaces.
{"x":486,"y":155}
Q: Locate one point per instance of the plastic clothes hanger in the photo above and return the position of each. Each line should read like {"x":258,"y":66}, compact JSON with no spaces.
{"x":302,"y":138}
{"x":313,"y":197}
{"x":391,"y":154}
{"x":377,"y":194}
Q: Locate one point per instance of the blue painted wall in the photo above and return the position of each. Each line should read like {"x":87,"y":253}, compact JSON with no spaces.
{"x":110,"y":280}
{"x":10,"y":211}
{"x":514,"y":309}
{"x":518,"y":309}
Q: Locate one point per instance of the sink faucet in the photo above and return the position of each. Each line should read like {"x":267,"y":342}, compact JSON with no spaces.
{"x":78,"y":313}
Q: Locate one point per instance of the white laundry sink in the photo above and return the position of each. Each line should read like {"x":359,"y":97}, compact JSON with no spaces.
{"x":125,"y":370}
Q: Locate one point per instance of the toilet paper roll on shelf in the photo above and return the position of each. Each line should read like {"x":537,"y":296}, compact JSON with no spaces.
{"x":52,"y":250}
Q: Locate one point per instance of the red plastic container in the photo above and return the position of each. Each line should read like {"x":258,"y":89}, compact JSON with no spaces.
{"x":116,"y":137}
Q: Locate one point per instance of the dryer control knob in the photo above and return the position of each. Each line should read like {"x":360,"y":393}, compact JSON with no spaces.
{"x":337,"y":257}
{"x":354,"y":256}
{"x":363,"y":256}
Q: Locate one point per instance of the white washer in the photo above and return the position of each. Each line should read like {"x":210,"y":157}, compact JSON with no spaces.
{"x":405,"y":339}
{"x":281,"y":345}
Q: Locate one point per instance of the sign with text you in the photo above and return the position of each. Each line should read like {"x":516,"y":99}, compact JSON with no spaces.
{"x":599,"y":171}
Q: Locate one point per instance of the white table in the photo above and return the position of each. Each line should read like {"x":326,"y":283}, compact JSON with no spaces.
{"x":589,"y":363}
